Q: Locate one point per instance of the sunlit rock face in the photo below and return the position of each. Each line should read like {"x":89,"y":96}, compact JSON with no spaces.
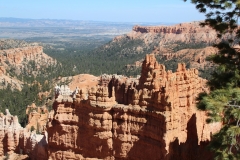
{"x":21,"y":61}
{"x":37,"y":117}
{"x":185,"y":42}
{"x":150,"y":117}
{"x":19,"y":56}
{"x":192,"y":27}
{"x":15,"y":139}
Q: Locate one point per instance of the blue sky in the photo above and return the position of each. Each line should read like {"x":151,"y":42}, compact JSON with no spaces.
{"x":102,"y":10}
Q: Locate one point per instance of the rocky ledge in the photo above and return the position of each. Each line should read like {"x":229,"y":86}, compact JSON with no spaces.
{"x":192,"y":27}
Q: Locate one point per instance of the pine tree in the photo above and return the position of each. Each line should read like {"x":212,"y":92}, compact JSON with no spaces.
{"x":223,"y":102}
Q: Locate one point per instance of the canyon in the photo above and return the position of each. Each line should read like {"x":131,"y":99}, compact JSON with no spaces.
{"x":153,"y":117}
{"x":185,"y":42}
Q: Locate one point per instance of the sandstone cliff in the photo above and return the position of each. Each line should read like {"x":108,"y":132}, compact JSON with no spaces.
{"x":81,"y":80}
{"x":183,"y":32}
{"x":192,"y":27}
{"x":185,"y":42}
{"x":21,"y":58}
{"x":149,"y":117}
{"x":167,"y":41}
{"x":196,"y":57}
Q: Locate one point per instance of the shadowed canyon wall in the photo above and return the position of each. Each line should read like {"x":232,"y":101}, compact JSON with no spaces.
{"x":151,"y":117}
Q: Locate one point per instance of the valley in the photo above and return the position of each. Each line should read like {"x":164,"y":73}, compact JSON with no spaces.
{"x":108,"y":88}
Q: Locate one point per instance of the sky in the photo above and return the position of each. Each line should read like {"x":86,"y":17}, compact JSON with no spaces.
{"x":170,"y":11}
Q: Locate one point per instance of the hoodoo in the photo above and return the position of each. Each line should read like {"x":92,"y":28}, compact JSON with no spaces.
{"x":153,"y":117}
{"x":15,"y":139}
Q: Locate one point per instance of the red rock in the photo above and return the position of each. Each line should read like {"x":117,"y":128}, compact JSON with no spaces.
{"x":170,"y":41}
{"x":15,"y":139}
{"x":192,"y":27}
{"x":37,"y":118}
{"x":2,"y":70}
{"x":153,"y":117}
{"x":19,"y":58}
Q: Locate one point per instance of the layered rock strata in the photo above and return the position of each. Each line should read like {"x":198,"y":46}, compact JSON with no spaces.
{"x":184,"y":42}
{"x":20,"y":56}
{"x":192,"y":27}
{"x":15,"y":139}
{"x":180,"y":33}
{"x":151,"y":117}
{"x":28,"y":60}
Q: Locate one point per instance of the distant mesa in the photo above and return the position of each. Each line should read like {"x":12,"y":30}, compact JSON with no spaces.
{"x":185,"y":42}
{"x":192,"y":27}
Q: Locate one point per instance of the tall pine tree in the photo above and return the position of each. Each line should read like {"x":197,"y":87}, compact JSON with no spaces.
{"x":223,"y":102}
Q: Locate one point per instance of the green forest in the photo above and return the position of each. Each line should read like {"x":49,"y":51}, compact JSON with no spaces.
{"x":90,"y":58}
{"x":114,"y":58}
{"x":17,"y":100}
{"x":221,"y":103}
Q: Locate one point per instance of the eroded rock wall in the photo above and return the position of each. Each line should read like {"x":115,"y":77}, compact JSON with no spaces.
{"x":153,"y":117}
{"x":192,"y":27}
{"x":24,"y":60}
{"x":19,"y":55}
{"x":15,"y":139}
{"x":37,"y":117}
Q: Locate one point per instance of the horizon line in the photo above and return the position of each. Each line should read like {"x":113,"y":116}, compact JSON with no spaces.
{"x":97,"y":20}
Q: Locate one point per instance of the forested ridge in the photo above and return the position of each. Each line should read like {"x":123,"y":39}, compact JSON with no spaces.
{"x":114,"y":56}
{"x":33,"y":80}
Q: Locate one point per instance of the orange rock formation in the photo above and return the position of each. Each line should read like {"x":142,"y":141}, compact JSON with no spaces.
{"x":184,"y":42}
{"x":2,"y":70}
{"x":15,"y":139}
{"x":19,"y":58}
{"x":183,"y":32}
{"x":37,"y":117}
{"x":153,"y":117}
{"x":18,"y":55}
{"x":192,"y":27}
{"x":83,"y":81}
